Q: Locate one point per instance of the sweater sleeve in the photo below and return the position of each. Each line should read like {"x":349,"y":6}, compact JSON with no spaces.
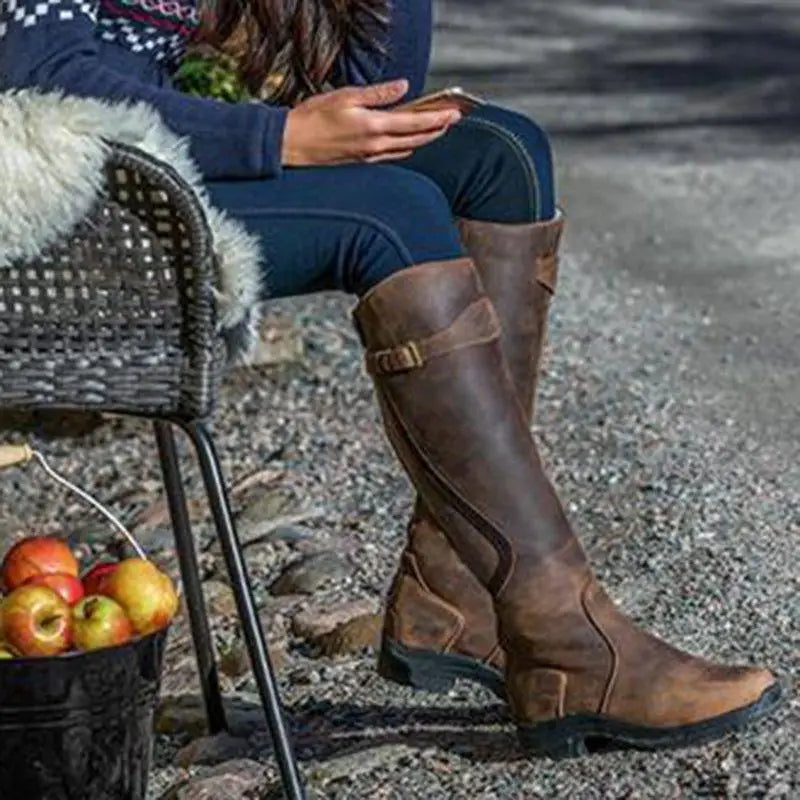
{"x":404,"y":49}
{"x":52,"y":44}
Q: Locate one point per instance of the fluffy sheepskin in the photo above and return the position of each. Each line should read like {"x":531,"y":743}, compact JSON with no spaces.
{"x":52,"y":153}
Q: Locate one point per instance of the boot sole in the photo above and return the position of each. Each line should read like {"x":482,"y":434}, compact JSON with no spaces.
{"x":584,"y":734}
{"x":435,"y":672}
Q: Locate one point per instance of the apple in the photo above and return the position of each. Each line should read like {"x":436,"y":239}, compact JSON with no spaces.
{"x":35,"y":556}
{"x":147,"y":594}
{"x":6,"y":651}
{"x":68,"y":586}
{"x":99,"y":621}
{"x":36,"y":621}
{"x":94,"y":580}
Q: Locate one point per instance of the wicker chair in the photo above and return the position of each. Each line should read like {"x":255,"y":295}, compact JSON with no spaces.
{"x":118,"y":317}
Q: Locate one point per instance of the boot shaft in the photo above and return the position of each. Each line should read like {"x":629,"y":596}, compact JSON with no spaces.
{"x":452,"y":414}
{"x":518,"y":265}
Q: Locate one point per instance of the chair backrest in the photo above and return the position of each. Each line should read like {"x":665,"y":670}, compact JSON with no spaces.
{"x":119,"y":314}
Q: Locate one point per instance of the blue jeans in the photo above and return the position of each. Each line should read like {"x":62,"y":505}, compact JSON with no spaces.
{"x":350,"y":227}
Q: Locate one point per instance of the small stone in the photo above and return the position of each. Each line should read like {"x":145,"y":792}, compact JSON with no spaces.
{"x":291,"y":534}
{"x":187,"y":714}
{"x":234,"y":661}
{"x":220,"y":600}
{"x":361,"y":762}
{"x":354,"y":636}
{"x":267,"y":514}
{"x":278,"y":655}
{"x":280,"y":341}
{"x":315,"y":622}
{"x":265,"y":503}
{"x":211,"y":750}
{"x":239,"y":779}
{"x":311,"y":573}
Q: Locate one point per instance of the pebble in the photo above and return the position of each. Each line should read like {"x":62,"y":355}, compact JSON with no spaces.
{"x":360,"y":762}
{"x":239,"y":779}
{"x":314,"y":622}
{"x":355,"y":636}
{"x":263,"y":504}
{"x":280,"y":341}
{"x":310,"y":573}
{"x":291,"y":534}
{"x":211,"y":750}
{"x":186,"y":714}
{"x":220,"y":600}
{"x":234,"y":660}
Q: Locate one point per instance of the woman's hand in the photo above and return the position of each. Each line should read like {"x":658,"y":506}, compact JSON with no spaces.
{"x":346,"y":125}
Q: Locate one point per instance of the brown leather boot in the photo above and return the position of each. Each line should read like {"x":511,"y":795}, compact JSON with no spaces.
{"x":440,"y":623}
{"x":578,"y":672}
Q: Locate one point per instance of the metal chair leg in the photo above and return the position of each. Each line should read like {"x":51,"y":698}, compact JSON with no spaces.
{"x":195,"y":602}
{"x":254,"y":636}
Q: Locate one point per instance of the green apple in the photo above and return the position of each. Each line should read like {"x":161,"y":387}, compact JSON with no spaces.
{"x":99,"y":621}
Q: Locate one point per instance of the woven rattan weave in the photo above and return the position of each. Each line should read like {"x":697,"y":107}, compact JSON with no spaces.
{"x":118,"y":315}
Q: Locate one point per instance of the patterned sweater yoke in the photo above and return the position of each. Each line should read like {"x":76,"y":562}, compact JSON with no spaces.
{"x":158,"y":28}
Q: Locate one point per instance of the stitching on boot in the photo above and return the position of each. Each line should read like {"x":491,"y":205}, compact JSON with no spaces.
{"x":484,"y":526}
{"x":612,"y":678}
{"x":496,"y":650}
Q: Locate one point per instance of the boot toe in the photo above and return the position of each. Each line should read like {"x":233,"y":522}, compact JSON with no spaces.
{"x":748,"y":686}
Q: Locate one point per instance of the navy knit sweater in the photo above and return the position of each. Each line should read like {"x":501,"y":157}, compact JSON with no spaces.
{"x":129,"y":49}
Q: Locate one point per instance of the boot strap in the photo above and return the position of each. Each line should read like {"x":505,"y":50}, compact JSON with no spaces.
{"x":477,"y":324}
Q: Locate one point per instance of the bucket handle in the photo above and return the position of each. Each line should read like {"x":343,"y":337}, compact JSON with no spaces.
{"x":15,"y":454}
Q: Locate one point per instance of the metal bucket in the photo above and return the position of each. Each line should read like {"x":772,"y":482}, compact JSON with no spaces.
{"x":80,"y":726}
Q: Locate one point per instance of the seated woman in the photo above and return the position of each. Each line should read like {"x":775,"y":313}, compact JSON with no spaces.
{"x":447,"y":231}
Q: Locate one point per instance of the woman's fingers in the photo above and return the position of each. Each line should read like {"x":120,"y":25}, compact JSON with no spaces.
{"x":375,"y":96}
{"x":405,"y":122}
{"x":396,"y":144}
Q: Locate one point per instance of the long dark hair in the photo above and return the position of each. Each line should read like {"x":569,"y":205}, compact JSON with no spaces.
{"x":291,"y":46}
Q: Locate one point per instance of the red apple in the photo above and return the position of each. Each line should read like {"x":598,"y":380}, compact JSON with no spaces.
{"x":94,"y":580}
{"x":99,"y":621}
{"x":147,"y":594}
{"x":36,"y":555}
{"x":36,"y":621}
{"x":68,"y":586}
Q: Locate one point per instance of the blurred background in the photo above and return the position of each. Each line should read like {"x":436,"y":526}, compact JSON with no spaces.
{"x":676,"y":133}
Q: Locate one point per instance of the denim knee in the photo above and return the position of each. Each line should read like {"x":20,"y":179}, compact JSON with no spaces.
{"x":512,"y":169}
{"x":409,"y":222}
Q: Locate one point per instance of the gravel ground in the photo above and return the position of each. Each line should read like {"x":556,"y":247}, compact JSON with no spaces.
{"x":668,"y":420}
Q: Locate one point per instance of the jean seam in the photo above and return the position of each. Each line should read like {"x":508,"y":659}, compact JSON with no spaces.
{"x":528,"y":165}
{"x":344,"y":216}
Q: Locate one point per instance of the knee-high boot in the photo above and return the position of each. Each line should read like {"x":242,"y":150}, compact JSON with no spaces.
{"x":577,"y":669}
{"x":440,"y":623}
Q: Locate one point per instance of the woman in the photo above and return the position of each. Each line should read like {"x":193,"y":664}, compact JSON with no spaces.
{"x":493,"y":585}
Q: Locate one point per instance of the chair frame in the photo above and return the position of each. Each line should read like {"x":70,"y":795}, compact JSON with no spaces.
{"x":153,"y":351}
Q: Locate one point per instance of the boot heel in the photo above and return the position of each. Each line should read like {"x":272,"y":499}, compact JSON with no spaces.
{"x":418,"y":670}
{"x":557,"y":740}
{"x":435,"y":672}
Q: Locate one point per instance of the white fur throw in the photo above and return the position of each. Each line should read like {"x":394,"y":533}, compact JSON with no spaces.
{"x":52,"y":155}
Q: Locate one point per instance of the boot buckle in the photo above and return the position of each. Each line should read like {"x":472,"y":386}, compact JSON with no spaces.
{"x":404,"y":358}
